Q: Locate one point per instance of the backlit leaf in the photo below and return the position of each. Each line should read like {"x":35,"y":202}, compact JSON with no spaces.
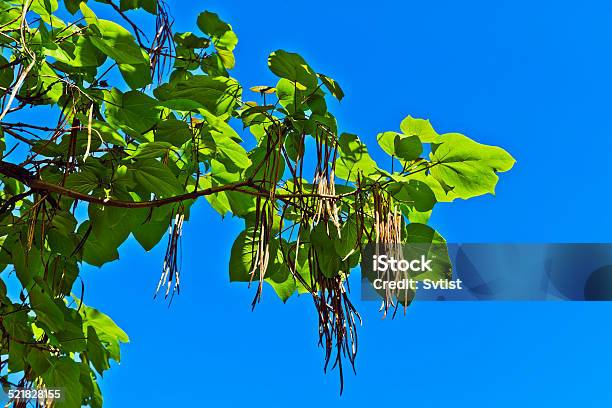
{"x":292,"y":66}
{"x":468,"y":168}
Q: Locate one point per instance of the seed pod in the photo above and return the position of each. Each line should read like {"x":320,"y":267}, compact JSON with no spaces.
{"x":170,"y":276}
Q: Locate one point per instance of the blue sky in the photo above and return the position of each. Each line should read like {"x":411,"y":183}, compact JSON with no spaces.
{"x":533,"y":77}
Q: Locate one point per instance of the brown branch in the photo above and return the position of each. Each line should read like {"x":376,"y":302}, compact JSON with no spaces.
{"x":19,"y":137}
{"x":53,"y":188}
{"x":9,"y":204}
{"x":18,"y":173}
{"x":27,"y":125}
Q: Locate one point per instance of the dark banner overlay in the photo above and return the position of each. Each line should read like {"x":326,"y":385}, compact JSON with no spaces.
{"x":486,"y":272}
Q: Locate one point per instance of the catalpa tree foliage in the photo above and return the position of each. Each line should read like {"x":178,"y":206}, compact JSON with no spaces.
{"x":137,"y":124}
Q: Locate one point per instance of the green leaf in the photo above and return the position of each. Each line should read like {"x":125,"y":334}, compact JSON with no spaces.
{"x":107,"y":133}
{"x":221,"y":33}
{"x":415,"y":193}
{"x":44,"y":82}
{"x":44,"y":7}
{"x":281,"y":279}
{"x":185,"y":105}
{"x":71,"y":336}
{"x":231,"y":151}
{"x":255,"y":114}
{"x":217,"y":95}
{"x":96,"y":251}
{"x":89,"y":15}
{"x":62,"y":243}
{"x":16,"y":356}
{"x":152,"y":150}
{"x":47,"y":148}
{"x":218,"y":201}
{"x":322,"y":239}
{"x":292,"y":66}
{"x":148,"y":5}
{"x":241,"y":256}
{"x":82,"y":181}
{"x":17,"y":324}
{"x":28,"y":264}
{"x":258,"y":157}
{"x":227,"y":58}
{"x":408,"y":148}
{"x":6,"y":74}
{"x":136,"y":75}
{"x":111,"y":226}
{"x":134,"y":112}
{"x":96,"y":352}
{"x":186,"y":59}
{"x":332,"y":86}
{"x":155,"y":226}
{"x":277,"y":274}
{"x":419,"y":173}
{"x":92,"y":397}
{"x":80,"y":142}
{"x":106,"y":329}
{"x":39,"y":360}
{"x":401,"y":146}
{"x":212,"y":25}
{"x":354,"y":159}
{"x":78,"y":52}
{"x":317,"y":122}
{"x":238,"y":203}
{"x":173,"y":131}
{"x":64,"y":374}
{"x":224,"y":39}
{"x":212,"y":64}
{"x":420,"y":128}
{"x":156,"y":178}
{"x":347,"y":241}
{"x":290,"y":97}
{"x":190,"y":40}
{"x":3,"y":297}
{"x":423,"y":240}
{"x":468,"y":168}
{"x":118,"y":43}
{"x":72,"y":5}
{"x":415,"y":216}
{"x":46,"y":310}
{"x":317,"y":105}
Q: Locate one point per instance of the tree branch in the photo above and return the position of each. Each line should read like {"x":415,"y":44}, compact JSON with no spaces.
{"x":18,"y":173}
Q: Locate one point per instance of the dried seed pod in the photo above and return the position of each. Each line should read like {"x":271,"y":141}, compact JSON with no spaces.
{"x":337,"y":321}
{"x":327,"y":209}
{"x":266,"y":206}
{"x":264,"y":220}
{"x":388,"y":237}
{"x":170,"y":276}
{"x":161,"y":51}
{"x":337,"y":315}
